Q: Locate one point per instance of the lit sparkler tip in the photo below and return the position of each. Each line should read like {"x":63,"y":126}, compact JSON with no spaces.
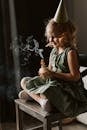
{"x":49,"y":45}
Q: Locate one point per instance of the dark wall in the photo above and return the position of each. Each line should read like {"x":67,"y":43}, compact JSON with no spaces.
{"x":2,"y":53}
{"x":30,"y":18}
{"x":31,"y":15}
{"x":3,"y":70}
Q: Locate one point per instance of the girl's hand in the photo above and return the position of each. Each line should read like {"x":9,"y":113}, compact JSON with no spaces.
{"x":44,"y":72}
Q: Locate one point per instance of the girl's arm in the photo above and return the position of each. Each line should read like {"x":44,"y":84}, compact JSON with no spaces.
{"x":73,"y":67}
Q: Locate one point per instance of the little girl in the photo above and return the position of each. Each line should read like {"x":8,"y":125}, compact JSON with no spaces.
{"x":59,"y":85}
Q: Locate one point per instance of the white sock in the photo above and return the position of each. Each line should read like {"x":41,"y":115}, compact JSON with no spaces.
{"x":45,"y":104}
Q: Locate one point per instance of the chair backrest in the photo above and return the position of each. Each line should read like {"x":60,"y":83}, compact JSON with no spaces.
{"x":83,"y":59}
{"x":83,"y":64}
{"x":83,"y":68}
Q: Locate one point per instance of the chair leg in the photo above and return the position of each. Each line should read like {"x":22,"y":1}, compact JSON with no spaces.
{"x":19,"y":118}
{"x":46,"y":124}
{"x":60,"y":124}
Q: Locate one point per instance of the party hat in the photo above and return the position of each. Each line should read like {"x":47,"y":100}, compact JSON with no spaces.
{"x":61,"y":13}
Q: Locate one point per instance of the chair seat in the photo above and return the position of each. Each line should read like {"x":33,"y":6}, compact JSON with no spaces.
{"x":33,"y":108}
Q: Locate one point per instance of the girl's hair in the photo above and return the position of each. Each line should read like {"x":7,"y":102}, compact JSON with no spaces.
{"x":68,"y":29}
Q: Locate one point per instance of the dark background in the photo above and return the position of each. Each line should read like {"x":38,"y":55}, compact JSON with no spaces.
{"x":30,"y":19}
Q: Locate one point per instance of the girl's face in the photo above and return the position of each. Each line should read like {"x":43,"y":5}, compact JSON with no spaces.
{"x":54,"y":38}
{"x":60,"y":35}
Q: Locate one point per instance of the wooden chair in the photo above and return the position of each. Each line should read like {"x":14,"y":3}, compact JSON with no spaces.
{"x":33,"y":109}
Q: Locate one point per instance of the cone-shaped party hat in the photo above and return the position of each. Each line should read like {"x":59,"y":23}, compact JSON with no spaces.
{"x":61,"y":13}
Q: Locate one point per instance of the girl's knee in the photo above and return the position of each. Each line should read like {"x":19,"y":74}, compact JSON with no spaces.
{"x":24,"y":81}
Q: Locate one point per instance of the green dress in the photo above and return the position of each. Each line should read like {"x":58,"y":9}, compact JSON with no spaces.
{"x":69,"y":97}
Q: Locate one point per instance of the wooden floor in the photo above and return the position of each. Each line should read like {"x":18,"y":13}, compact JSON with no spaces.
{"x":71,"y":126}
{"x":30,"y":121}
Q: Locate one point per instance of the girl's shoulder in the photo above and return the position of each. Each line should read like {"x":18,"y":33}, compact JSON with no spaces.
{"x":69,"y":49}
{"x":54,"y":51}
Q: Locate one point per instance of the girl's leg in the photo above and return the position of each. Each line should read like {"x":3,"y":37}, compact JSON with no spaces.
{"x":23,"y":95}
{"x":23,"y":85}
{"x":40,"y":98}
{"x":24,"y":81}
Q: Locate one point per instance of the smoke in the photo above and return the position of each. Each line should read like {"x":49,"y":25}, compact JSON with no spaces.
{"x":33,"y":45}
{"x":27,"y":47}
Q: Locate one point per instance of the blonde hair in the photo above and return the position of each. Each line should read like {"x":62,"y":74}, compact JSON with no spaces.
{"x":68,"y":29}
